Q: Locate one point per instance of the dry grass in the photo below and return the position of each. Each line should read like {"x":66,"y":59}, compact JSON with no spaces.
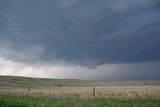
{"x":120,"y":92}
{"x":78,"y":88}
{"x":77,"y":93}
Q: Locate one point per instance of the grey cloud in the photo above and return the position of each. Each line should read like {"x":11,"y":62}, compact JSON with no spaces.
{"x":83,"y":32}
{"x":138,"y":71}
{"x":133,"y":6}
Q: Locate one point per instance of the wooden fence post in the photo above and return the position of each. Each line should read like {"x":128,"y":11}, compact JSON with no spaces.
{"x":14,"y":86}
{"x":94,"y":91}
{"x":146,"y":91}
{"x":49,"y":90}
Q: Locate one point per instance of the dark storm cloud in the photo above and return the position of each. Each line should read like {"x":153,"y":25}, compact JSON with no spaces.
{"x":84,"y":32}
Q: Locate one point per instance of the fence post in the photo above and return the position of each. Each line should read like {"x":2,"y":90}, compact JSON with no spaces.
{"x":14,"y":86}
{"x":146,"y":91}
{"x":94,"y":91}
{"x":49,"y":90}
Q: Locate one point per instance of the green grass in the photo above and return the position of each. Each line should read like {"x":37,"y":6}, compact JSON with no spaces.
{"x":24,"y":98}
{"x":31,"y":101}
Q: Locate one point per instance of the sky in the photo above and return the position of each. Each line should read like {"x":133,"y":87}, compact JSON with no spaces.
{"x":80,"y":39}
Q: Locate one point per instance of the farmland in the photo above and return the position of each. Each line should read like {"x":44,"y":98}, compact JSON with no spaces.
{"x":42,"y":92}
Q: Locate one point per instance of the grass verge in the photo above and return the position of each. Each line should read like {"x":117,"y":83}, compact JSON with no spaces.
{"x":31,"y":101}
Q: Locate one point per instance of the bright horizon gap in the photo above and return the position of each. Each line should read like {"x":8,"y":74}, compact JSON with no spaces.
{"x":102,"y":72}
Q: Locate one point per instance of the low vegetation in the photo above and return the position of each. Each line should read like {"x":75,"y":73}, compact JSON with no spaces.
{"x":34,"y":92}
{"x":28,"y":101}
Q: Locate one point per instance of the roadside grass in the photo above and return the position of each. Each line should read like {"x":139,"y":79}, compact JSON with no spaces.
{"x":41,"y":101}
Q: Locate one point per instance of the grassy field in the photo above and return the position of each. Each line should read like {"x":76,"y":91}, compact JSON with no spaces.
{"x":36,"y":92}
{"x":27,"y":101}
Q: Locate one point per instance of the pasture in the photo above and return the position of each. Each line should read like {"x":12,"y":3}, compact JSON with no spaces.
{"x":41,"y":92}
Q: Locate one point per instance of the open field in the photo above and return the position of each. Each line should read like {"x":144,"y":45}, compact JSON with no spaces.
{"x":80,"y":93}
{"x":27,"y":101}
